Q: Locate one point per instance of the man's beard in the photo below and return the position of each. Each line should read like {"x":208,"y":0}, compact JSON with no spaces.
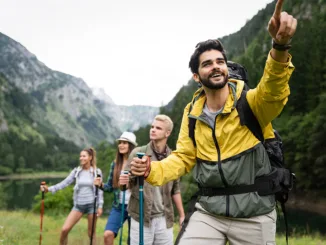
{"x":216,"y":86}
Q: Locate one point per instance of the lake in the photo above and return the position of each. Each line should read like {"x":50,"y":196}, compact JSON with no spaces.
{"x":19,"y":194}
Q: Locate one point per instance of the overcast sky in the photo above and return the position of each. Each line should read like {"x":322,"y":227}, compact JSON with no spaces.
{"x":137,"y":50}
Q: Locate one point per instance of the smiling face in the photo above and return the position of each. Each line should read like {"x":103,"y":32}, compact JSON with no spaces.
{"x":123,"y":147}
{"x":85,"y":158}
{"x":212,"y":70}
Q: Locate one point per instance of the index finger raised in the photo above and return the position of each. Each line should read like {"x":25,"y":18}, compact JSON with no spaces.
{"x":278,"y":9}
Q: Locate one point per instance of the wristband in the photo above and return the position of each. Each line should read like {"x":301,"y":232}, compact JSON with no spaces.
{"x":281,"y":47}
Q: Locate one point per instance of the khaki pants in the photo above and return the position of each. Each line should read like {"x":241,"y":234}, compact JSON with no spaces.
{"x":204,"y":229}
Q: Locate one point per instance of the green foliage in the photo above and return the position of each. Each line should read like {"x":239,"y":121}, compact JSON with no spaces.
{"x":27,"y":146}
{"x":5,"y":170}
{"x":142,"y":135}
{"x":188,"y":188}
{"x":58,"y":203}
{"x":4,"y":196}
{"x":9,"y":161}
{"x":175,"y":112}
{"x":105,"y":154}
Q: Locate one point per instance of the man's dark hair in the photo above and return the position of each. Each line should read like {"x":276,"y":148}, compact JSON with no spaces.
{"x":203,"y":47}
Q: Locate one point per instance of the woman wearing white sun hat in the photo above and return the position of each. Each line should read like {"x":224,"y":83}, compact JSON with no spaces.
{"x":126,"y":143}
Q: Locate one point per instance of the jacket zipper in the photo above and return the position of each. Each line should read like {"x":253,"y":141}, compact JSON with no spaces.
{"x":219,"y":164}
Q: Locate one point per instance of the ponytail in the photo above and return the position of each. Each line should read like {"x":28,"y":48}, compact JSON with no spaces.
{"x":91,"y":151}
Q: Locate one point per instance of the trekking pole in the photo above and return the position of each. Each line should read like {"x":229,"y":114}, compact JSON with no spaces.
{"x":141,"y":201}
{"x":42,"y":213}
{"x":94,"y":215}
{"x":124,"y":188}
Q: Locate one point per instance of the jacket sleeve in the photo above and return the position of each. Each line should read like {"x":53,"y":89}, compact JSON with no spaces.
{"x":268,"y":99}
{"x":67,"y":181}
{"x":180,"y":162}
{"x":100,"y":192}
{"x":176,"y":187}
{"x":108,"y":186}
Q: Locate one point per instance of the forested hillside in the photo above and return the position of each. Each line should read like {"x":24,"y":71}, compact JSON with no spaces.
{"x":303,"y":122}
{"x":25,"y":145}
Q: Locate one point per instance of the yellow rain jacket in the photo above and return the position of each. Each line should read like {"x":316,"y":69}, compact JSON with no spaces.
{"x":229,"y":154}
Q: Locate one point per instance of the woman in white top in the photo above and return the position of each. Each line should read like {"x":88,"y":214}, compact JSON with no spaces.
{"x":84,"y":193}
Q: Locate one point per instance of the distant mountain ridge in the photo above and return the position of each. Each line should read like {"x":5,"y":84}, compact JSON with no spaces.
{"x":127,"y":117}
{"x":63,"y":102}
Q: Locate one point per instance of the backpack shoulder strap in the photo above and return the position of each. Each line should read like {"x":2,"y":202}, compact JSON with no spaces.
{"x":192,"y":121}
{"x":191,"y":128}
{"x":247,"y":117}
{"x":77,"y":170}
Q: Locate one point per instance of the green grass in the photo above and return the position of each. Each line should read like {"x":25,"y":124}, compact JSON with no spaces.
{"x":23,"y":228}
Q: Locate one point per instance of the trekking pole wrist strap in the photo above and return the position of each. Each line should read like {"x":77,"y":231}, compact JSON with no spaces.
{"x":148,"y":168}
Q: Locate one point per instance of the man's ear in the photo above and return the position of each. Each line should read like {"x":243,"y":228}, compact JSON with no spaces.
{"x":195,"y":76}
{"x":168,"y":133}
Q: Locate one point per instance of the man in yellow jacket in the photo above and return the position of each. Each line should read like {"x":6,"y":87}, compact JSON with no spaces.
{"x":225,"y":153}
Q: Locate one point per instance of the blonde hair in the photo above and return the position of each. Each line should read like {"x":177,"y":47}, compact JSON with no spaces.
{"x":91,"y":152}
{"x":167,"y":120}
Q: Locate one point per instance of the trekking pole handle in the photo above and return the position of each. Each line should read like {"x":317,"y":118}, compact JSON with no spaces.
{"x":141,"y":178}
{"x":124,"y":187}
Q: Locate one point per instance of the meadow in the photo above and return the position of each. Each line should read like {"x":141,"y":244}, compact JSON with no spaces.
{"x":23,"y":228}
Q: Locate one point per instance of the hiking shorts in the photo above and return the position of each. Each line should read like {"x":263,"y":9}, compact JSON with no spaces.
{"x":85,"y":208}
{"x":114,"y":219}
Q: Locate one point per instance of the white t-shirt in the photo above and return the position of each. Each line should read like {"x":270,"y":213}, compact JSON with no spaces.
{"x":127,"y":197}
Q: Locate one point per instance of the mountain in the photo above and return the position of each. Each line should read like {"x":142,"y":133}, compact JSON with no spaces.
{"x":126,"y":117}
{"x":47,"y":116}
{"x":66,"y":103}
{"x":25,"y":143}
{"x":73,"y":110}
{"x":302,"y":123}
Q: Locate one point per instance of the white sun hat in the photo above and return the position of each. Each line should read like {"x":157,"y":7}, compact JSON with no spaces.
{"x":128,"y":136}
